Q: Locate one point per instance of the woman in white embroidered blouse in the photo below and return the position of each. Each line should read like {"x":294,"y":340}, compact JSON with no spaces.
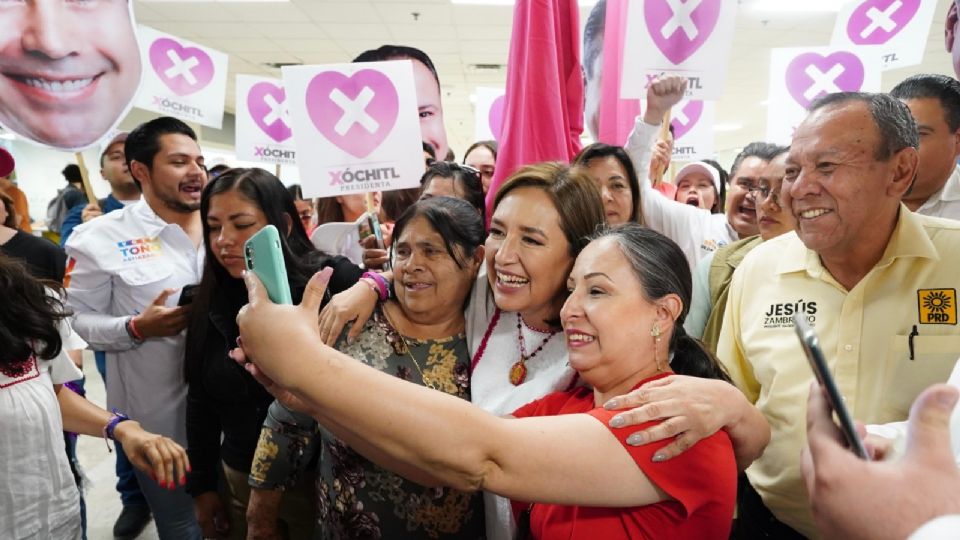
{"x":38,"y":496}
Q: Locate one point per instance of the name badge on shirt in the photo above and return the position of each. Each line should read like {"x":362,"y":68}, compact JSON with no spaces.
{"x":937,"y":306}
{"x":140,"y":249}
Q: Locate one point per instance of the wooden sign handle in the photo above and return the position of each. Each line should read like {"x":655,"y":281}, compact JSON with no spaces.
{"x":85,"y":177}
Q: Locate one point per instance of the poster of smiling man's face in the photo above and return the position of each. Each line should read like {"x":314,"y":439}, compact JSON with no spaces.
{"x":68,"y":69}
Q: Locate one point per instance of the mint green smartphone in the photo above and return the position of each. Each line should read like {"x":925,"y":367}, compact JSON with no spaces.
{"x":264,"y":257}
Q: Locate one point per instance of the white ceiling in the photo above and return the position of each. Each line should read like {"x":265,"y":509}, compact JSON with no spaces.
{"x":459,"y":36}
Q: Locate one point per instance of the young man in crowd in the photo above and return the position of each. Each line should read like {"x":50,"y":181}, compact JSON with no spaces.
{"x":934,"y":102}
{"x":123,"y":190}
{"x":135,"y":514}
{"x":66,"y":198}
{"x":124,"y":276}
{"x":876,"y":281}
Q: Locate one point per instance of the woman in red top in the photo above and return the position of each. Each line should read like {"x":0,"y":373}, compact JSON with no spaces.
{"x":629,"y":292}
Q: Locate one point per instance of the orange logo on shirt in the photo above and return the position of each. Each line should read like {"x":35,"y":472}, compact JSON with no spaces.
{"x":937,"y":306}
{"x":71,"y":262}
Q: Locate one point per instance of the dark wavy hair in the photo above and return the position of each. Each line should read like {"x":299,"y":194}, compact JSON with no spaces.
{"x":301,"y":258}
{"x":602,"y":150}
{"x":661,"y":268}
{"x":29,"y":316}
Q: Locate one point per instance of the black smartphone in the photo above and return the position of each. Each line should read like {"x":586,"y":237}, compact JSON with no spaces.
{"x":187,"y":294}
{"x":811,"y":346}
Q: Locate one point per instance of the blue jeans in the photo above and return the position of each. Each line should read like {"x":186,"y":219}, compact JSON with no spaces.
{"x":127,"y":484}
{"x":172,"y":510}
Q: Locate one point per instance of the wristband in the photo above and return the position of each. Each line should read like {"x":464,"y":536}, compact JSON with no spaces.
{"x":383,"y":288}
{"x":108,"y":429}
{"x":133,"y":332}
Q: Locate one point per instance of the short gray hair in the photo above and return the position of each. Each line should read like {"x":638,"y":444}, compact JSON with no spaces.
{"x":898,"y":129}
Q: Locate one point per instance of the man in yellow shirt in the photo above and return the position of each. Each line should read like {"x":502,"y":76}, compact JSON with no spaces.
{"x":878,"y":283}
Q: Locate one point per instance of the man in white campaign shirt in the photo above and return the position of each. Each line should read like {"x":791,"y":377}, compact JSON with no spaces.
{"x":124,"y":277}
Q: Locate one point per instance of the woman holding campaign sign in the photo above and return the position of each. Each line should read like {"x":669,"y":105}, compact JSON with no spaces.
{"x":418,"y":337}
{"x":225,"y":406}
{"x":542,"y":216}
{"x":628,"y":294}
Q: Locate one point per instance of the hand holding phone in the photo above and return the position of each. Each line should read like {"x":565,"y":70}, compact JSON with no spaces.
{"x":811,"y":346}
{"x":264,"y":257}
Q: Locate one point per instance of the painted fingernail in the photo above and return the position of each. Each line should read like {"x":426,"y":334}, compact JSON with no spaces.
{"x":617,"y":421}
{"x":612,"y":404}
{"x":636,"y":439}
{"x":659,"y":456}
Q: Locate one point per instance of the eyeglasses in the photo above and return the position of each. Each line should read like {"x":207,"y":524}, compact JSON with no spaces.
{"x":759,"y":193}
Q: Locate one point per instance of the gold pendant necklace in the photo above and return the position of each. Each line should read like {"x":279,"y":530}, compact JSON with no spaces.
{"x":428,"y":380}
{"x":518,"y":371}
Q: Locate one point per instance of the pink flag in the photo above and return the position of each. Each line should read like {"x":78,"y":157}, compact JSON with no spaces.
{"x":543,"y":110}
{"x":617,"y":115}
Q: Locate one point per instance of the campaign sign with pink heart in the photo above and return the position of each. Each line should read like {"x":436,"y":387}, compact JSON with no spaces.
{"x":263,"y":130}
{"x":184,"y":70}
{"x":355,"y":113}
{"x":267,"y":105}
{"x":182,"y":78}
{"x":875,"y":22}
{"x":679,"y":28}
{"x":685,"y":117}
{"x":812,"y":75}
{"x":692,"y":38}
{"x":356,"y":127}
{"x":896,"y":30}
{"x":800,"y":76}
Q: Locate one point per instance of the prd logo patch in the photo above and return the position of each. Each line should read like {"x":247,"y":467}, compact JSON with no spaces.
{"x":937,"y":306}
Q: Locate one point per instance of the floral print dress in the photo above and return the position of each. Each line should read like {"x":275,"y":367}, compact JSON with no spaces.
{"x":356,"y":498}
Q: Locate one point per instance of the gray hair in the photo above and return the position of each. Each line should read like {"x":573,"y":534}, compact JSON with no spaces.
{"x":898,"y":129}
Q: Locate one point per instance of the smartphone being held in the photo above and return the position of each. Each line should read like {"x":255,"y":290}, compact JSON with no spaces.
{"x":811,"y":346}
{"x":264,"y":257}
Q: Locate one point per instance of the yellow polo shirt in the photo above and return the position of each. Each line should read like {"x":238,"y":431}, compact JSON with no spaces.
{"x":864,"y":332}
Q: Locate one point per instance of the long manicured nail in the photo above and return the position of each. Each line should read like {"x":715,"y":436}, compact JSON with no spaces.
{"x":611,"y":405}
{"x":636,"y":439}
{"x":617,"y":421}
{"x":659,"y":456}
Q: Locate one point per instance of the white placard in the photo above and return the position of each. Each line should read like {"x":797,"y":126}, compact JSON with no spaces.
{"x":676,"y":38}
{"x":693,"y":130}
{"x":356,"y":127}
{"x":263,"y":132}
{"x":181,"y":78}
{"x":798,"y":76}
{"x":488,"y":114}
{"x":898,"y":27}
